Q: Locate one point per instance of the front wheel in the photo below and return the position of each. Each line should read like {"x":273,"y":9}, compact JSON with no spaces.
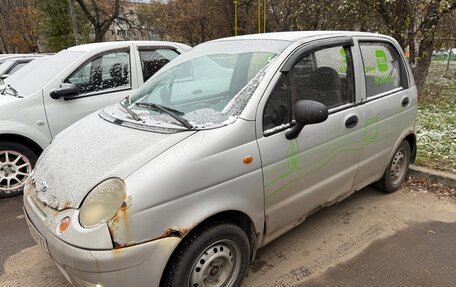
{"x":397,"y":169}
{"x":16,"y":164}
{"x":216,"y":255}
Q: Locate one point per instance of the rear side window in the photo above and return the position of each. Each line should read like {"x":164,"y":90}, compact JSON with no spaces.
{"x":154,"y":60}
{"x":383,"y":68}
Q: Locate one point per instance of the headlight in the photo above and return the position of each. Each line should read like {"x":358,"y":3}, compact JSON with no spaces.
{"x":102,"y":203}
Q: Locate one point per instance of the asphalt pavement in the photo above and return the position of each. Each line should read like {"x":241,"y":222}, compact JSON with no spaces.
{"x":422,"y":255}
{"x":14,"y":236}
{"x":370,"y":239}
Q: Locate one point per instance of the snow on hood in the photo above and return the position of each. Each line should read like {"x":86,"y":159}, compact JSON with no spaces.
{"x":91,"y":151}
{"x":7,"y":99}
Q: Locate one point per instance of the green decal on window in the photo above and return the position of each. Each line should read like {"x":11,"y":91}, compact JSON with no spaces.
{"x":343,"y":67}
{"x":382,"y":62}
{"x":383,"y":80}
{"x":369,"y":69}
{"x":292,"y":153}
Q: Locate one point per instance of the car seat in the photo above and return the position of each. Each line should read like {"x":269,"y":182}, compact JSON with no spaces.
{"x":326,"y":86}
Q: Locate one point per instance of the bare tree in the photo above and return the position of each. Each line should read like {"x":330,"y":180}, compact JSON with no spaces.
{"x":414,"y":23}
{"x":101,"y":14}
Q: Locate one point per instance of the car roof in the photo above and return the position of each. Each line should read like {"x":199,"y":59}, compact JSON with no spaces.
{"x":298,"y":35}
{"x":20,"y":56}
{"x":115,"y":44}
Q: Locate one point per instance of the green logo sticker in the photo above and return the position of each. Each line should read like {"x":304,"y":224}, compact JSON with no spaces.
{"x":343,"y":67}
{"x":382,"y":62}
{"x":292,"y":153}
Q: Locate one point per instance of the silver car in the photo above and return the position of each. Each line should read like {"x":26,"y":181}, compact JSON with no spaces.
{"x":226,"y":148}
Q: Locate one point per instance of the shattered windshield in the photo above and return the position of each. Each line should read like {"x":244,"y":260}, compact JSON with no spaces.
{"x":207,"y":86}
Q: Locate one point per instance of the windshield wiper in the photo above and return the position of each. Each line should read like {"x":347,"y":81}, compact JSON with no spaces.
{"x":172,"y":112}
{"x":129,"y":111}
{"x":14,"y":94}
{"x":155,"y":106}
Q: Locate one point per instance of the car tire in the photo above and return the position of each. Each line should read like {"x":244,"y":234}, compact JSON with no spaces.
{"x":218,"y":251}
{"x":397,"y":169}
{"x":16,"y":163}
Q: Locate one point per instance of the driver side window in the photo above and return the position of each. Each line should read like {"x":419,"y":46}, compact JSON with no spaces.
{"x":324,"y":76}
{"x":107,"y":72}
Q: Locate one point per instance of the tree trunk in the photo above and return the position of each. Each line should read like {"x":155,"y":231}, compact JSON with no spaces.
{"x":98,"y":35}
{"x":448,"y":60}
{"x":423,"y":61}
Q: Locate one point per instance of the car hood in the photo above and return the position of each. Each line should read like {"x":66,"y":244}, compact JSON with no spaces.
{"x":91,"y":151}
{"x":6,"y":98}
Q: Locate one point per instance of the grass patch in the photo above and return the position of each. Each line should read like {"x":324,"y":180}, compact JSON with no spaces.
{"x":443,"y":57}
{"x":436,"y":123}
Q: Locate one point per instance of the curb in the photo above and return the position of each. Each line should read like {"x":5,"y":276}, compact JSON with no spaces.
{"x":434,"y":176}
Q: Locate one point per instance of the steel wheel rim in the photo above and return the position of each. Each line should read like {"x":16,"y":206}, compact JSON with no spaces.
{"x":15,"y":168}
{"x":217,"y":266}
{"x":398,"y":167}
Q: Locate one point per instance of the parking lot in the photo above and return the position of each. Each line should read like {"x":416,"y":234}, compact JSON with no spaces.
{"x":371,"y":239}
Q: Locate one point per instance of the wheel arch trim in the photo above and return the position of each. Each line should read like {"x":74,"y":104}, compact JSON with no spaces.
{"x":32,"y":144}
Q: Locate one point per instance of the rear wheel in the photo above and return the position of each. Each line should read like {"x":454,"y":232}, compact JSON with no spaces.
{"x":216,"y":255}
{"x":397,"y":169}
{"x":16,"y":164}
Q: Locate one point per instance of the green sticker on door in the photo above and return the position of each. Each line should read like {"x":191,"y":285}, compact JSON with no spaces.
{"x":293,"y":157}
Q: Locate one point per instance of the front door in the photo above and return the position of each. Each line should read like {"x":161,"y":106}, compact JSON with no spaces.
{"x":103,"y":80}
{"x":319,"y":165}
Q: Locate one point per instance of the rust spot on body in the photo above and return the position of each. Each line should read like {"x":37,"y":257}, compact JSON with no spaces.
{"x":175,"y":232}
{"x":115,"y":227}
{"x":124,"y":206}
{"x":68,"y":204}
{"x":117,"y":249}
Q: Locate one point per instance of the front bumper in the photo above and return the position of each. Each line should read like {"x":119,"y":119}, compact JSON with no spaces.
{"x":139,"y":265}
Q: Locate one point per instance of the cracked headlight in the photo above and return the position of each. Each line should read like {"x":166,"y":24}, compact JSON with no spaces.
{"x":102,"y":203}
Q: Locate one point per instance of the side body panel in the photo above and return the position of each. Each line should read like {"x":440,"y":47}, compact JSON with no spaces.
{"x":25,"y":117}
{"x":201,"y":176}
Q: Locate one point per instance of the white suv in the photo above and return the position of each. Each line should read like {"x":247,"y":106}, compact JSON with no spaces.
{"x":48,"y":95}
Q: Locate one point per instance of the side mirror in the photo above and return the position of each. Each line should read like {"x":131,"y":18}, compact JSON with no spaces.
{"x":306,"y":113}
{"x":66,"y":91}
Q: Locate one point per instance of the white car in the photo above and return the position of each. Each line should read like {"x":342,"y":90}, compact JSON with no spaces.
{"x":46,"y":96}
{"x":14,"y":64}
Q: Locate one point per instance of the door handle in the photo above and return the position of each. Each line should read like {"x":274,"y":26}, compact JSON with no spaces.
{"x":351,"y":122}
{"x":405,"y":102}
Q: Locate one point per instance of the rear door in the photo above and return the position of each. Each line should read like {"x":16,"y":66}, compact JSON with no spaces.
{"x":387,"y":102}
{"x":320,"y":165}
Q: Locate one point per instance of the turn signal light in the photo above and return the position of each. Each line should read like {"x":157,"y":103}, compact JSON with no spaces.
{"x":248,"y":159}
{"x":64,"y":224}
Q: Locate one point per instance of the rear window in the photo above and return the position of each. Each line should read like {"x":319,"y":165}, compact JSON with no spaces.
{"x":383,"y":68}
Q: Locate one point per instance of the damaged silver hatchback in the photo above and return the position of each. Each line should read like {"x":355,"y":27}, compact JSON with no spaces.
{"x":226,"y":148}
